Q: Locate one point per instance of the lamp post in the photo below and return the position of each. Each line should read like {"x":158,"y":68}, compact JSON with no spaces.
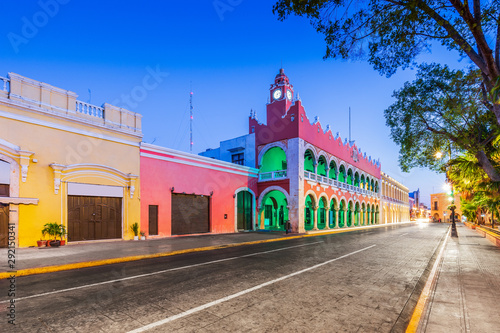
{"x":438,"y":155}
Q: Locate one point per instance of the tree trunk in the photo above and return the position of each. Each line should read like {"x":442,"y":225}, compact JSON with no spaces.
{"x":486,"y":165}
{"x":496,"y":110}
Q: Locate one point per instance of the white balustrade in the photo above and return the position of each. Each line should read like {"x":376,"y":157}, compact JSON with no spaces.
{"x":4,"y":83}
{"x":89,"y":109}
{"x":273,"y":175}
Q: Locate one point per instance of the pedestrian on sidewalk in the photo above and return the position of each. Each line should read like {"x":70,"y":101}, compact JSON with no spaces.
{"x":288,"y":227}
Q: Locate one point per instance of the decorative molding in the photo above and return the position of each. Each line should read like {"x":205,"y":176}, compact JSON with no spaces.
{"x":24,"y":159}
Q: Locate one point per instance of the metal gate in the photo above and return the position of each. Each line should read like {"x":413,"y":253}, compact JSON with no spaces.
{"x":190,"y":214}
{"x":91,"y":218}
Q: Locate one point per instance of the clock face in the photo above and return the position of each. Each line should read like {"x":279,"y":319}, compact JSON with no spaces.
{"x":289,"y":95}
{"x":277,"y":94}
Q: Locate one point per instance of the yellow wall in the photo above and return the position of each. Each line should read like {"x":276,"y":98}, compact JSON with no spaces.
{"x":34,"y":131}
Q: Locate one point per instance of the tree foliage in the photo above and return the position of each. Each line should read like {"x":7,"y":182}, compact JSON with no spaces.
{"x":442,"y":110}
{"x":391,"y":33}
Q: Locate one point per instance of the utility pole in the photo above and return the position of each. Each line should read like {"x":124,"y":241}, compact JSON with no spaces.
{"x":191,"y":121}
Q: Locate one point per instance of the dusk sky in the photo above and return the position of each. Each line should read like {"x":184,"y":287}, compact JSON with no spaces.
{"x":103,"y":51}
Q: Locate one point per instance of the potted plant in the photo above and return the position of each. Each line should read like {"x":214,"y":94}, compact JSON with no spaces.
{"x":53,"y":230}
{"x":135,"y":230}
{"x":143,"y":235}
{"x":41,"y":243}
{"x":63,"y":234}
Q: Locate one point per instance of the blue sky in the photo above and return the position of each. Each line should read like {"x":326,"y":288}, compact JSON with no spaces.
{"x":229,"y":58}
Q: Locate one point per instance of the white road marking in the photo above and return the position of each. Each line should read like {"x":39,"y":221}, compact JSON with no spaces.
{"x":243,"y":292}
{"x":403,"y":234}
{"x":155,"y":273}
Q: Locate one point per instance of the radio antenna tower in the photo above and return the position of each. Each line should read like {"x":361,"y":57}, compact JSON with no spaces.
{"x":191,"y":120}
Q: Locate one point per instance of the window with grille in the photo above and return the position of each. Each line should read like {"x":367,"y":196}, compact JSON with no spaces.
{"x":238,"y":159}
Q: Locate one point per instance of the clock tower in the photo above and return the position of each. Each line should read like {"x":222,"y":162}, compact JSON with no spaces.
{"x":281,"y":90}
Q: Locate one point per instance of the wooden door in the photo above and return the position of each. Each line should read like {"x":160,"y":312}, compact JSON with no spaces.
{"x":153,"y":220}
{"x":4,"y":225}
{"x":91,"y":218}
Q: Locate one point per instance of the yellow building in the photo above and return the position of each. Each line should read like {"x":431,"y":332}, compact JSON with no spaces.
{"x":440,"y":203}
{"x":395,"y":201}
{"x":65,"y":161}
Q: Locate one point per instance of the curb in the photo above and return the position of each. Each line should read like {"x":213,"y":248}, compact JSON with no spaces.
{"x":95,"y":263}
{"x":430,"y":284}
{"x":491,"y":236}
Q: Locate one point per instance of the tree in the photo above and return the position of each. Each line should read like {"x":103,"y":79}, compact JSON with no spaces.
{"x":478,"y":192}
{"x":442,"y":110}
{"x":393,"y":32}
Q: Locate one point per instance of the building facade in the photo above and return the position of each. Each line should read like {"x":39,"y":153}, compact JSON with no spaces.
{"x":395,"y":201}
{"x":240,"y":150}
{"x":184,"y":194}
{"x":310,"y":176}
{"x":65,"y":161}
{"x":440,"y":203}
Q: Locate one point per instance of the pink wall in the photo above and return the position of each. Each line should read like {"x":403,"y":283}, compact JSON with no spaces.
{"x":165,"y":168}
{"x":280,"y":128}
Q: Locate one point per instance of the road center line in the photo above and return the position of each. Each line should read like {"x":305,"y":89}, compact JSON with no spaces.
{"x":158,"y":272}
{"x":243,"y":292}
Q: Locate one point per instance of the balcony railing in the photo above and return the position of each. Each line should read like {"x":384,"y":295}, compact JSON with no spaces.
{"x":4,"y":84}
{"x":386,"y":198}
{"x":273,"y":175}
{"x":335,"y":183}
{"x":89,"y":109}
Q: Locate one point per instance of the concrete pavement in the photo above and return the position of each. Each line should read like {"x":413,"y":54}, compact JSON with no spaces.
{"x":467,"y":287}
{"x":29,"y":261}
{"x":463,"y":298}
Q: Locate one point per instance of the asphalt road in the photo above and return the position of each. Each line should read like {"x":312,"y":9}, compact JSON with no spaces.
{"x":351,"y":282}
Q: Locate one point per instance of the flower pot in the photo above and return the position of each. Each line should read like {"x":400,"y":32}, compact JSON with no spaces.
{"x":41,"y":243}
{"x":143,"y":237}
{"x":63,"y":242}
{"x":53,"y":243}
{"x":136,"y":237}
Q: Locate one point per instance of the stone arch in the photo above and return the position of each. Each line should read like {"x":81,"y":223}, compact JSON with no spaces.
{"x":273,"y":208}
{"x":313,"y":149}
{"x":350,"y":177}
{"x":269,"y":189}
{"x":322,"y":166}
{"x":269,"y":146}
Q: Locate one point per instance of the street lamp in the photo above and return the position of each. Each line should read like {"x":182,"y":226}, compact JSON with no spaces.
{"x":451,"y":196}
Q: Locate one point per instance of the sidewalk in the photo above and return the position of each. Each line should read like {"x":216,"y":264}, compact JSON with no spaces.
{"x":467,"y":291}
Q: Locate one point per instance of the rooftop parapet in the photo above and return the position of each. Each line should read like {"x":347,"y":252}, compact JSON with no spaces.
{"x":64,"y":103}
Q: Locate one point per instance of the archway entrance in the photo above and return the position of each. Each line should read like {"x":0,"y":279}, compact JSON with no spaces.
{"x":275,"y":211}
{"x":309,"y":213}
{"x":342,"y":209}
{"x":244,"y":210}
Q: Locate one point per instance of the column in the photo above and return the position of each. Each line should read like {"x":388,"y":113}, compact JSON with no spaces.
{"x":336,"y":212}
{"x":327,"y":225}
{"x":315,"y":217}
{"x":352,"y":217}
{"x":261,"y":218}
{"x":364,"y":216}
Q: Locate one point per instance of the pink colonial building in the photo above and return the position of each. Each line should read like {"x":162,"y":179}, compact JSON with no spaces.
{"x":182,"y":193}
{"x":288,"y":169}
{"x":306,"y":173}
